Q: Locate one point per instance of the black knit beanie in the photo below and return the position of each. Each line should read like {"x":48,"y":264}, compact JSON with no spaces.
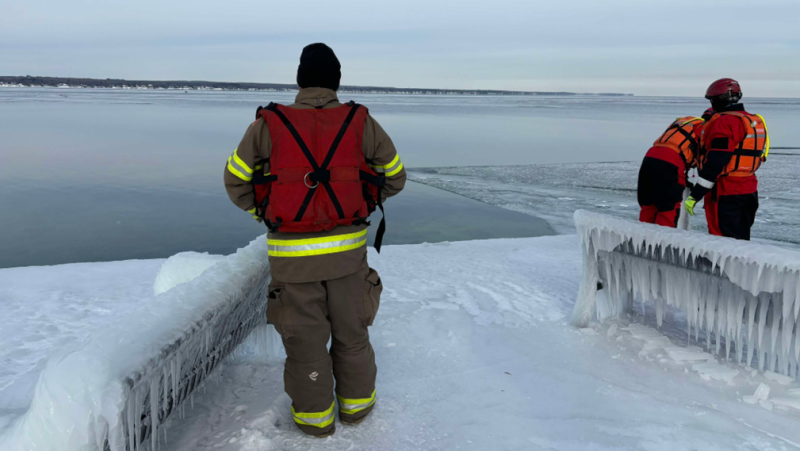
{"x":319,"y":68}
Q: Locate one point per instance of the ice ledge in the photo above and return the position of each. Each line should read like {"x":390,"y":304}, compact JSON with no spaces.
{"x":754,"y":267}
{"x":745,"y":294}
{"x":102,"y":396}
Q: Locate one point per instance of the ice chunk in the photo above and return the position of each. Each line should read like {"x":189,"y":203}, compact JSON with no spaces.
{"x":779,"y":378}
{"x":690,"y":354}
{"x":713,"y":370}
{"x":793,"y":403}
{"x":182,"y":268}
{"x":761,"y":394}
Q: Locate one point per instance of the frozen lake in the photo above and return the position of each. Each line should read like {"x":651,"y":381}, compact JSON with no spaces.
{"x":99,"y":175}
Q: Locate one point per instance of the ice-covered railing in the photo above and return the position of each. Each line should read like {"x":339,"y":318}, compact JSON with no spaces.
{"x":138,"y":373}
{"x":744,"y":294}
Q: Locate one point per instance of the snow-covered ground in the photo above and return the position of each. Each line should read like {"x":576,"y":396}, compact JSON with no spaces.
{"x":474,"y":352}
{"x":49,"y":309}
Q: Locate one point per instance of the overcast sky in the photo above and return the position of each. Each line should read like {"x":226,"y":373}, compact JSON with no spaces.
{"x":643,"y":47}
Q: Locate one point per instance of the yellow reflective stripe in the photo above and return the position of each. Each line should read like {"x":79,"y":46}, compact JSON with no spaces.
{"x":692,"y":120}
{"x":326,"y":251}
{"x":324,"y":239}
{"x":389,"y":169}
{"x":399,"y":168}
{"x":317,"y":246}
{"x":353,"y":406}
{"x":386,"y":166}
{"x":323,"y":251}
{"x":318,"y":419}
{"x":240,"y":162}
{"x":252,"y":211}
{"x":766,"y":146}
{"x":235,"y":171}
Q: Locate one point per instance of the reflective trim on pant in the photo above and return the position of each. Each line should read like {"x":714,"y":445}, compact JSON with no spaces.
{"x":353,"y":406}
{"x":317,"y":246}
{"x":316,"y":419}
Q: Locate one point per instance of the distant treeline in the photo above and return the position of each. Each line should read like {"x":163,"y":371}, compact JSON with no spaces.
{"x":69,"y":82}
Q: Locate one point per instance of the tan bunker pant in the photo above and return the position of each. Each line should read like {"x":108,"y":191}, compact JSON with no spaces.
{"x":307,"y":315}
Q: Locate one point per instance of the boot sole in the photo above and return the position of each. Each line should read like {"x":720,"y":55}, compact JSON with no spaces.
{"x":353,"y":423}
{"x":325,"y":435}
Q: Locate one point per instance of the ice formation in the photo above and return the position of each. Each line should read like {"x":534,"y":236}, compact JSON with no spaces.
{"x":135,"y":374}
{"x":182,"y":268}
{"x":744,"y":294}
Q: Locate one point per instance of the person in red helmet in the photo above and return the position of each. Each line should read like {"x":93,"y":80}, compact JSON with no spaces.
{"x":734,"y":143}
{"x":662,"y":176}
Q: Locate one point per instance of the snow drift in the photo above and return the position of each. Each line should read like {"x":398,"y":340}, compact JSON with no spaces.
{"x":744,"y":293}
{"x":182,"y":268}
{"x":136,"y":373}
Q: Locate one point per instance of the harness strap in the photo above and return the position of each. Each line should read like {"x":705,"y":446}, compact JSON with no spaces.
{"x":274,"y":108}
{"x":379,"y":181}
{"x":261,"y":179}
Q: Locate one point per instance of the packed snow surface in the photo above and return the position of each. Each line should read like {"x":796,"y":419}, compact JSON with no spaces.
{"x":53,"y":308}
{"x":475,"y":352}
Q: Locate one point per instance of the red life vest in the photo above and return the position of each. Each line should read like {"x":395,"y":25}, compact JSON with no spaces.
{"x":319,"y":178}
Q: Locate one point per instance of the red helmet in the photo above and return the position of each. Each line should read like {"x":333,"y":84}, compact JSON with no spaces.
{"x":724,"y":86}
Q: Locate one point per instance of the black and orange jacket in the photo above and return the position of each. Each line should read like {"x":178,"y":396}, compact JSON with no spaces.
{"x":682,"y":136}
{"x":678,"y":145}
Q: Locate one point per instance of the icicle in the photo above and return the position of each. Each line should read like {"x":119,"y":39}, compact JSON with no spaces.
{"x":795,"y":276}
{"x":775,"y":323}
{"x":165,"y":392}
{"x":153,"y":413}
{"x":137,"y":419}
{"x":787,"y":318}
{"x":722,"y":318}
{"x":752,"y":304}
{"x":763,"y":308}
{"x":742,"y":303}
{"x":131,"y":422}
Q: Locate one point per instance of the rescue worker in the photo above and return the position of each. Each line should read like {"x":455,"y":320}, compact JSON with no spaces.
{"x":313,"y":171}
{"x":734,"y":143}
{"x":662,"y":176}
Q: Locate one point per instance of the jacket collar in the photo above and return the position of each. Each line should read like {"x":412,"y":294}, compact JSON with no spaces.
{"x":316,"y":97}
{"x":733,"y":107}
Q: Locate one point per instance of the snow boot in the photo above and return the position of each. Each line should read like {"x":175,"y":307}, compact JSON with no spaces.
{"x":354,"y":422}
{"x":326,"y":434}
{"x":349,"y":421}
